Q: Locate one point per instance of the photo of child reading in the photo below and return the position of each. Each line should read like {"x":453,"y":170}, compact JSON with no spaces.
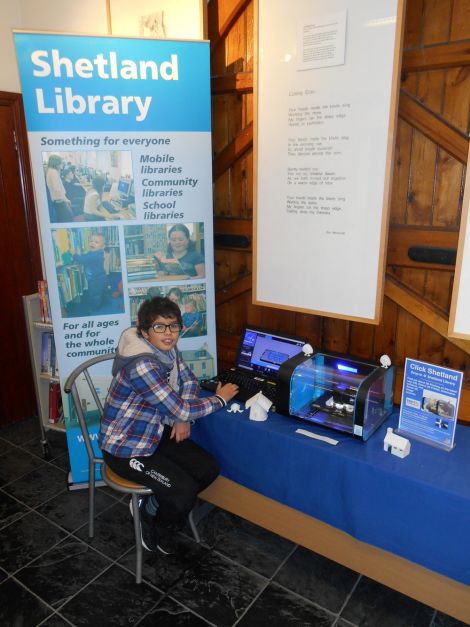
{"x":91,"y":185}
{"x":190,"y":299}
{"x":88,"y":268}
{"x":165,"y":252}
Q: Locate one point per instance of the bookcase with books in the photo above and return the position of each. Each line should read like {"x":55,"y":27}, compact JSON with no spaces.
{"x":71,"y":277}
{"x":43,"y":363}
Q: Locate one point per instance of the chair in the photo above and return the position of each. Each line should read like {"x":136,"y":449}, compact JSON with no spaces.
{"x":111,"y":479}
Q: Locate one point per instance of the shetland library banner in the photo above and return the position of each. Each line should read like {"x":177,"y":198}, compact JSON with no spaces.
{"x":119,"y":134}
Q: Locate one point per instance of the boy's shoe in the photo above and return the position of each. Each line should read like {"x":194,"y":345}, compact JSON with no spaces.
{"x":147,"y":525}
{"x":166,"y":541}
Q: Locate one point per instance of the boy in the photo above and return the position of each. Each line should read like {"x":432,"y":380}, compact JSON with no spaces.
{"x":93,"y":263}
{"x":146,"y":422}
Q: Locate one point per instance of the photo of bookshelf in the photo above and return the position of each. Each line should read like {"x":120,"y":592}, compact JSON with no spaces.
{"x":165,"y":252}
{"x":89,"y":186}
{"x":88,"y":269}
{"x":190,"y":297}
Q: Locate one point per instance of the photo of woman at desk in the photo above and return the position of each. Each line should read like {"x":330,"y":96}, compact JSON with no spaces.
{"x":165,"y":252}
{"x":89,"y":186}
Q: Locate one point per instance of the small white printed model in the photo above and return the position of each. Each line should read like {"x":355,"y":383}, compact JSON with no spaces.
{"x":396,"y":444}
{"x":235,"y":409}
{"x":259,"y":406}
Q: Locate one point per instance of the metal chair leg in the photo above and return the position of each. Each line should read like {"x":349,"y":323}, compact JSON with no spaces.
{"x":193,"y":527}
{"x":138,"y":539}
{"x":91,"y":500}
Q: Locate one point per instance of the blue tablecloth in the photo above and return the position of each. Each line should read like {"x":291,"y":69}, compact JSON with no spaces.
{"x":417,"y":507}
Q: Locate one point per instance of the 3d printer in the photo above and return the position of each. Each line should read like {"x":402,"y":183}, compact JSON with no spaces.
{"x":345,"y":394}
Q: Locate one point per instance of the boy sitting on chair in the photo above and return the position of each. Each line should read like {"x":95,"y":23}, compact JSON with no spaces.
{"x":146,"y":422}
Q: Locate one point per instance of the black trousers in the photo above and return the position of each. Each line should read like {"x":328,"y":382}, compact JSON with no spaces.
{"x":176,"y":473}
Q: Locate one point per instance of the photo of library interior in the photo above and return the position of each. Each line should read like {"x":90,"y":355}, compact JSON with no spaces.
{"x":236,"y":246}
{"x":89,"y":185}
{"x":88,"y":269}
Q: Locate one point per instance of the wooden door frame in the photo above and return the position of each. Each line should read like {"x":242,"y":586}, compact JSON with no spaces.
{"x":15,"y":102}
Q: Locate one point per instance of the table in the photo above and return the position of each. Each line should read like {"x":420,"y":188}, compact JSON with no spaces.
{"x":403,"y":522}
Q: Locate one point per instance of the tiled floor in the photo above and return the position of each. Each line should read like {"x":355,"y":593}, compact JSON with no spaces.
{"x":51,"y":574}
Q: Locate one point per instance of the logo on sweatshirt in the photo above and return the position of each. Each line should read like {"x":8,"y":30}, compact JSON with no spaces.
{"x":136,"y":465}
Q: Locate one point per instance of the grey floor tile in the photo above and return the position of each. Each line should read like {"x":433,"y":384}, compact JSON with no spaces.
{"x":112,"y":599}
{"x":22,"y":431}
{"x":165,"y":571}
{"x":248,"y":544}
{"x":62,"y":571}
{"x":114,"y":531}
{"x":70,"y":509}
{"x":39,"y":485}
{"x":16,"y":463}
{"x":56,"y":444}
{"x":25,"y":539}
{"x":218,"y":590}
{"x":168,"y":613}
{"x":374,"y":605}
{"x":10,"y":509}
{"x":442,"y":620}
{"x":317,"y":578}
{"x":18,"y":607}
{"x":277,"y":606}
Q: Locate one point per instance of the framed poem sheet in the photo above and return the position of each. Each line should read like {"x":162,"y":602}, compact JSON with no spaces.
{"x":326,"y":84}
{"x":459,"y":320}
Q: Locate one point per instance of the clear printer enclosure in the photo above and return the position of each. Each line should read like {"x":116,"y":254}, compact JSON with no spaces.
{"x":341,"y":393}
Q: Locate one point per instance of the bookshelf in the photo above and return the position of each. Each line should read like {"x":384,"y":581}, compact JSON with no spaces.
{"x":42,"y":380}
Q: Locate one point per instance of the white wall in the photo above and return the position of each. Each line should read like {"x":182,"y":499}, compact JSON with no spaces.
{"x":183,"y":19}
{"x":69,"y":16}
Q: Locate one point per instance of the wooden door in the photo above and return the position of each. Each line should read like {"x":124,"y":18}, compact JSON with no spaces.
{"x":19,"y":262}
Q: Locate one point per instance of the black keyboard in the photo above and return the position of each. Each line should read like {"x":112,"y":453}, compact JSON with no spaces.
{"x":248,"y":385}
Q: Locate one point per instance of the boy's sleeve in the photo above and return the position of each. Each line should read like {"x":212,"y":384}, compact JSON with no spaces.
{"x":191,"y":387}
{"x":154,"y":389}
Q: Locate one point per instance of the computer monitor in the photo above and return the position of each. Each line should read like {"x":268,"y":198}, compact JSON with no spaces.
{"x":124,"y":186}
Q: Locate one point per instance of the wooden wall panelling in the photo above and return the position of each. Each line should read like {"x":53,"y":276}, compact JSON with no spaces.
{"x":436,"y":22}
{"x":431,"y":151}
{"x":361,"y":339}
{"x":449,"y":191}
{"x":431,"y":346}
{"x":413,"y":24}
{"x":335,"y":335}
{"x":401,"y":173}
{"x":460,"y":26}
{"x":436,"y":57}
{"x":438,"y":289}
{"x":384,"y":340}
{"x":310,"y":327}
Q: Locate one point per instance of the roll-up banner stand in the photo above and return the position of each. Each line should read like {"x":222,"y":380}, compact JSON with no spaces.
{"x":120,"y":141}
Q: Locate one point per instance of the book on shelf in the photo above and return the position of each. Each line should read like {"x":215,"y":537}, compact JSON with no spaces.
{"x":48,"y":354}
{"x":44,"y":304}
{"x":55,"y":403}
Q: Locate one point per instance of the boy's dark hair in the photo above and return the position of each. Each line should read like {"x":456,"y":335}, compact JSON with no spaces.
{"x":158,"y":306}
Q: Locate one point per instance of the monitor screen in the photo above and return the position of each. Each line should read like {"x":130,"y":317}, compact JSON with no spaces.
{"x":264,"y":352}
{"x":124,"y":187}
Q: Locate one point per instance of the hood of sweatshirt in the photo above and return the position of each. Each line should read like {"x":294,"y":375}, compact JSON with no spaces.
{"x":133,"y":346}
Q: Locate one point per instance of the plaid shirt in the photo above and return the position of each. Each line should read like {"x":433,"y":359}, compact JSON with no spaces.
{"x":138,"y":401}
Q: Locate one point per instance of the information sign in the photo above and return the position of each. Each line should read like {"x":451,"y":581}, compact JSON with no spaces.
{"x":429,"y":403}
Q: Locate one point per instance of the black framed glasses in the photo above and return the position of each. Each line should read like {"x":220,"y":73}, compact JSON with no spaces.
{"x":175,"y":327}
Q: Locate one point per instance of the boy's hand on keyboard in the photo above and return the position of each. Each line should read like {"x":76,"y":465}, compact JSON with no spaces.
{"x":227,"y":391}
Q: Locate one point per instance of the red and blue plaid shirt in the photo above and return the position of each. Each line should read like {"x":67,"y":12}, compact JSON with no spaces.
{"x":138,"y":401}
